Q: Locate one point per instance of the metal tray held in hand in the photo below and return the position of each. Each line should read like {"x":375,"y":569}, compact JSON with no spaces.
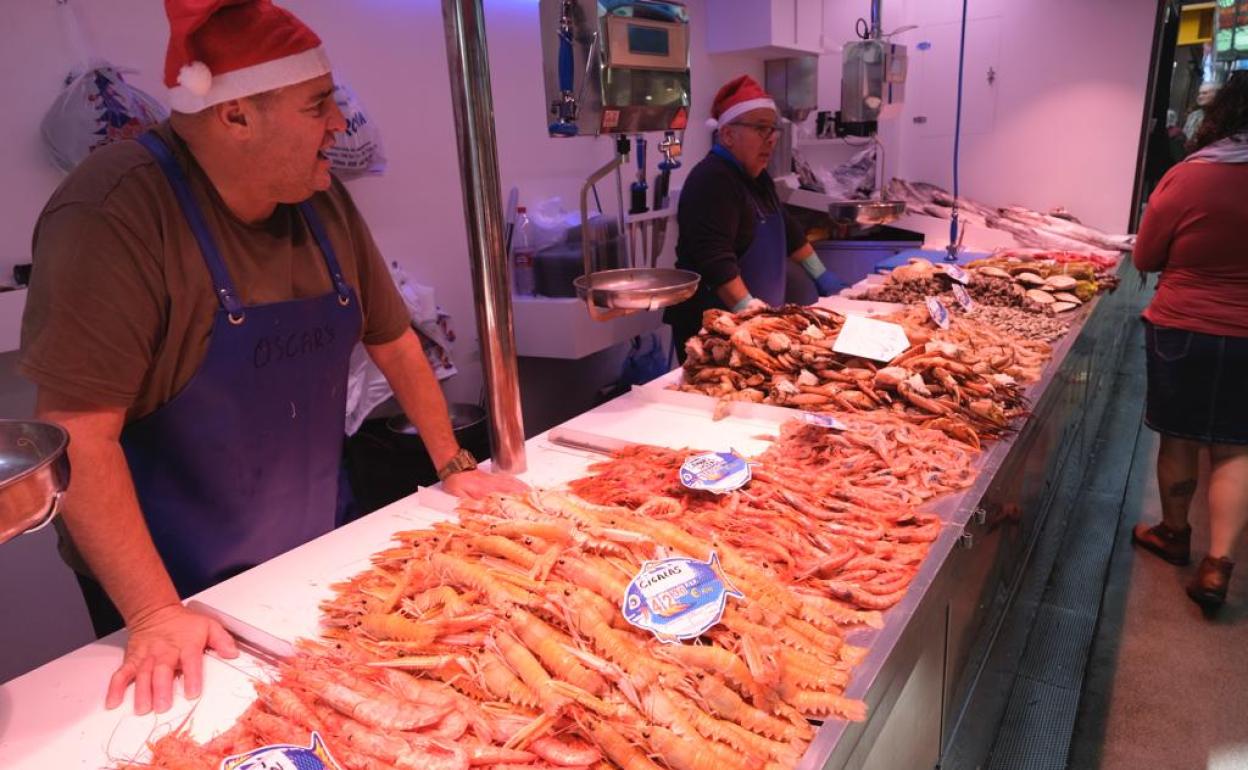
{"x":613,"y":293}
{"x":633,"y":289}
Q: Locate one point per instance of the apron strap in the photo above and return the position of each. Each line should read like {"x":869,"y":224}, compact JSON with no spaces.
{"x":221,"y":283}
{"x":327,"y":250}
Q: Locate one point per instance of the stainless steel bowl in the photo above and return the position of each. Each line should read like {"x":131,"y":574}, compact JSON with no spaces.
{"x":865,"y":214}
{"x":648,"y":288}
{"x":463,"y":416}
{"x":34,"y":473}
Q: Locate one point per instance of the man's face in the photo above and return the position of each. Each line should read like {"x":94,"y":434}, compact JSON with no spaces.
{"x":294,"y":127}
{"x":1204,"y":96}
{"x":751,"y":139}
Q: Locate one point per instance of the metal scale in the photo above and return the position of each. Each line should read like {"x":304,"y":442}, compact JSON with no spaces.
{"x":873,"y":74}
{"x":621,"y":67}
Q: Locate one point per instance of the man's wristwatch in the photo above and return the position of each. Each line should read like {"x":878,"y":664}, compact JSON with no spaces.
{"x":462,"y":461}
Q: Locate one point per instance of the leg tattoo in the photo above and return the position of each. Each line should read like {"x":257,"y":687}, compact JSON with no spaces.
{"x":1185,"y":488}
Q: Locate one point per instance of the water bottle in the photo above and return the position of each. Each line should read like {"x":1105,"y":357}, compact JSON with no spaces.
{"x":523,"y":249}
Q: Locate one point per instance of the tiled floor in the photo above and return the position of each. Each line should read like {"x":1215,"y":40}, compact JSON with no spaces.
{"x":1179,"y":692}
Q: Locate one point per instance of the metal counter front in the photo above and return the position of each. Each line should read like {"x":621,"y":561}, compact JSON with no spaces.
{"x":921,"y":666}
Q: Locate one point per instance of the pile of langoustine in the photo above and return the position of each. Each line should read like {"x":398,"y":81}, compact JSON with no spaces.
{"x":963,"y":381}
{"x":512,"y":614}
{"x":497,"y":641}
{"x":830,"y":514}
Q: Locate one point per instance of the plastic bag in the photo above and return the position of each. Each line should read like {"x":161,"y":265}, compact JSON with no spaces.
{"x":367,"y":387}
{"x":358,"y":150}
{"x":857,"y":175}
{"x":551,"y":221}
{"x":96,"y":108}
{"x":852,"y":180}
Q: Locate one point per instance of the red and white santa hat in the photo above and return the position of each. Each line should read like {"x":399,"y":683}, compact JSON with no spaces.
{"x":227,"y":49}
{"x":736,"y":98}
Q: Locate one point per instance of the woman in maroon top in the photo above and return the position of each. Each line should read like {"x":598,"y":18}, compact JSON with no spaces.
{"x":1195,"y":233}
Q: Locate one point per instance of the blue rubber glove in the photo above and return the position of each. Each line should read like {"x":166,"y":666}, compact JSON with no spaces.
{"x":747,"y":302}
{"x":828,"y":284}
{"x":825,"y":281}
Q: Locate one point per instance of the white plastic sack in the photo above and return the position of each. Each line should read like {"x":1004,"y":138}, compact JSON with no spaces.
{"x":858,"y":173}
{"x":356,"y":151}
{"x":552,"y":221}
{"x":96,"y":108}
{"x":366,"y":385}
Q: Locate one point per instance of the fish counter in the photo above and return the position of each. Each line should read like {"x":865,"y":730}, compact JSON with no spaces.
{"x":904,"y":671}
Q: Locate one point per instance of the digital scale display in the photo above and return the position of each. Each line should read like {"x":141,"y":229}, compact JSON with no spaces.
{"x":648,"y":41}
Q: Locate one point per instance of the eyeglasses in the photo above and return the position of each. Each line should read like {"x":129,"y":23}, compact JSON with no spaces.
{"x":765,"y":130}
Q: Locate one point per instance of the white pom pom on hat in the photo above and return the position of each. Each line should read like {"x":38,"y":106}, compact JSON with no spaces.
{"x":712,"y":123}
{"x":196,"y":78}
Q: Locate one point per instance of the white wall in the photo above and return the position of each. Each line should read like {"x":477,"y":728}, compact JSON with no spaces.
{"x":1061,"y":124}
{"x":392,"y":53}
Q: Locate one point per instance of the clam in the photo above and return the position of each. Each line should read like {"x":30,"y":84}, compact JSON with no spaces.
{"x":1040,"y":297}
{"x":1062,"y":307}
{"x":1061,"y":283}
{"x":918,"y":269}
{"x":993,"y":272}
{"x":1065,"y":296}
{"x":1029,"y":279}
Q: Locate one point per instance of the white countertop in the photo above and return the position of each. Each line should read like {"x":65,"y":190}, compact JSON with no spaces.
{"x":54,"y":715}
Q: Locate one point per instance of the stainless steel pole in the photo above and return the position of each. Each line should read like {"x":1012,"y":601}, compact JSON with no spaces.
{"x":473,"y":106}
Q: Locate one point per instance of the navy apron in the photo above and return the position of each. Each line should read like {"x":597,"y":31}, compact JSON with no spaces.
{"x":243,"y":463}
{"x":763,"y":266}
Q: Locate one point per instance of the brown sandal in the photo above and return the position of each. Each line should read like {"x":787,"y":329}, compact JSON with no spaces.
{"x":1175,"y":546}
{"x":1208,"y":587}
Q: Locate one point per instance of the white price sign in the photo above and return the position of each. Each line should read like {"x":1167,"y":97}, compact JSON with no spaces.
{"x":870,"y":338}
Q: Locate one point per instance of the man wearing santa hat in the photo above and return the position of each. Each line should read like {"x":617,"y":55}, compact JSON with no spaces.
{"x":734,"y":231}
{"x":195,"y":299}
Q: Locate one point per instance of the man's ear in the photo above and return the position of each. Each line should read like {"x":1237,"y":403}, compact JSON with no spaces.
{"x":236,"y":116}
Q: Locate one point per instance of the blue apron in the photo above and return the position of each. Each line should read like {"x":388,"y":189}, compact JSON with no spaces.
{"x":763,"y":264}
{"x":243,"y":463}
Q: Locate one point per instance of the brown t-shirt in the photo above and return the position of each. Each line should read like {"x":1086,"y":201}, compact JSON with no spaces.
{"x":121,"y":304}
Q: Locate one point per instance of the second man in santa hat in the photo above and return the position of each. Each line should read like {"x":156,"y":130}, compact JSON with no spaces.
{"x":734,"y":231}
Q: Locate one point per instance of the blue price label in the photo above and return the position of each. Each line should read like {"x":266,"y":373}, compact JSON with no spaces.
{"x":718,"y":472}
{"x":939,"y":313}
{"x":313,"y":757}
{"x":679,"y":598}
{"x":820,"y":420}
{"x":958,"y":274}
{"x":963,"y":297}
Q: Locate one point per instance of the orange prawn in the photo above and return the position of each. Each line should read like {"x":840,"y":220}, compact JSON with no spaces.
{"x":549,"y":646}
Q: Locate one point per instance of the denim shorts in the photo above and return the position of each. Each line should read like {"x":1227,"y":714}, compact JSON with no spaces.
{"x":1197,"y":385}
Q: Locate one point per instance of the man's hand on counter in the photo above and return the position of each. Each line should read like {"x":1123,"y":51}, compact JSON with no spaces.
{"x":171,"y":639}
{"x":477,"y":484}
